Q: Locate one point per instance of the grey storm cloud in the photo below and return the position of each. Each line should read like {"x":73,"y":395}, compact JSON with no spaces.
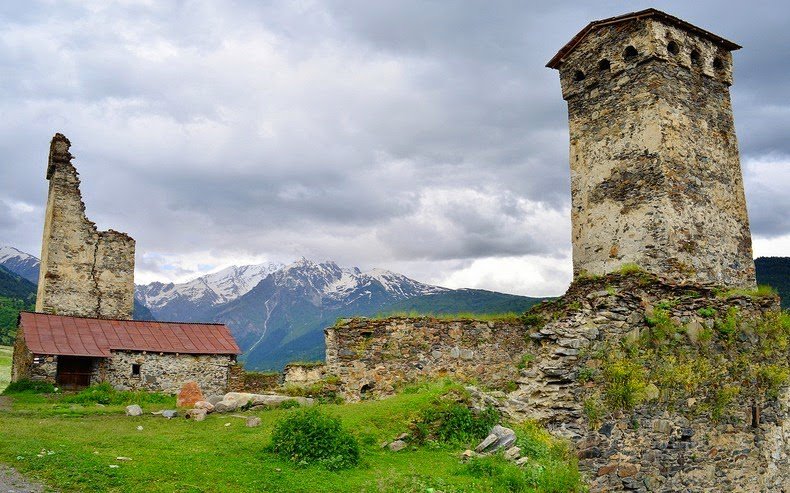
{"x":374,"y":133}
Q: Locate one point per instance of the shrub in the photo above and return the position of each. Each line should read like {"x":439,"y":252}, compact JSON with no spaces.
{"x":453,"y":422}
{"x":29,"y":387}
{"x":311,"y":437}
{"x":707,"y":312}
{"x":661,"y":327}
{"x":625,"y":384}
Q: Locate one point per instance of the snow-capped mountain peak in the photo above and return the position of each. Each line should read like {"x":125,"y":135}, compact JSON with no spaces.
{"x":208,"y":290}
{"x":19,"y":262}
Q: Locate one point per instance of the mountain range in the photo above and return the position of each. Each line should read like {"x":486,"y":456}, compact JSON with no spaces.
{"x":277,"y":312}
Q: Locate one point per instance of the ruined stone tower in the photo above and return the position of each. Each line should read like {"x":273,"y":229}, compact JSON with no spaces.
{"x":655,"y":174}
{"x":84,"y":272}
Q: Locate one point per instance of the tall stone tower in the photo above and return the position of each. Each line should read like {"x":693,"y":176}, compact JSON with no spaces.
{"x":655,"y":174}
{"x":84,"y":272}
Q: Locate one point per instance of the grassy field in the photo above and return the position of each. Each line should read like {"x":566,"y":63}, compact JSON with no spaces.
{"x":72,"y":447}
{"x":5,"y":366}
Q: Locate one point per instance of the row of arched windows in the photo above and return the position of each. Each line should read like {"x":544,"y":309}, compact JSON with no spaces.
{"x":631,"y":53}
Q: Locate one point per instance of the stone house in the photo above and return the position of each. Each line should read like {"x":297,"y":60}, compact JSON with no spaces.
{"x":74,"y":352}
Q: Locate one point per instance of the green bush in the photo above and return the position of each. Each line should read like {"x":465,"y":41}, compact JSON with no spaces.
{"x":311,"y":437}
{"x":29,"y":387}
{"x":105,"y":394}
{"x":453,"y":422}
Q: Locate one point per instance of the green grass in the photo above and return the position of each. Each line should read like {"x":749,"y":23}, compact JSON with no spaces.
{"x":5,"y":366}
{"x":71,"y":446}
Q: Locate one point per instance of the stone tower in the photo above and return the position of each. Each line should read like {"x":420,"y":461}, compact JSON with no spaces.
{"x":84,"y":272}
{"x":655,"y":174}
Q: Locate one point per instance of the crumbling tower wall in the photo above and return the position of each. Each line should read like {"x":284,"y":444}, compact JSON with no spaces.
{"x":655,"y":174}
{"x":84,"y":272}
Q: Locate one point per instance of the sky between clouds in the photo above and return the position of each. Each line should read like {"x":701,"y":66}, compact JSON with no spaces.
{"x":427,"y":138}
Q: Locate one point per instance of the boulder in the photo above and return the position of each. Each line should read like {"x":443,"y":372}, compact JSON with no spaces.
{"x":170,"y":413}
{"x":134,"y":410}
{"x":241,"y":398}
{"x":214,"y":399}
{"x":209,"y":407}
{"x":253,"y":421}
{"x":225,"y":406}
{"x":196,"y":414}
{"x":397,"y":445}
{"x":189,"y":394}
{"x":512,"y":453}
{"x":275,"y":400}
{"x":499,"y":438}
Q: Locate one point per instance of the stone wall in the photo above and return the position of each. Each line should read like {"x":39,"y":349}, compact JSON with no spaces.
{"x":670,"y":441}
{"x":303,"y":373}
{"x":84,"y":272}
{"x":168,"y":372}
{"x":655,"y":173}
{"x":374,"y":357}
{"x":240,"y":380}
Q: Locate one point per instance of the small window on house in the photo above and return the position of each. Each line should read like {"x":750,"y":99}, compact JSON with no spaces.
{"x":604,"y":65}
{"x":578,"y":76}
{"x":135,"y":370}
{"x":630,"y":53}
{"x":718,"y":63}
{"x":694,"y":57}
{"x":673,"y":48}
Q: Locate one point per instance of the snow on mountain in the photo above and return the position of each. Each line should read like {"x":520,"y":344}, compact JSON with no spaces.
{"x":20,"y":263}
{"x":205,"y":291}
{"x":344,"y":285}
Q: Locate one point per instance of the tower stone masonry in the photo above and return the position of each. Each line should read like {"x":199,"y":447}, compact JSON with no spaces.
{"x":655,"y":174}
{"x":84,"y":272}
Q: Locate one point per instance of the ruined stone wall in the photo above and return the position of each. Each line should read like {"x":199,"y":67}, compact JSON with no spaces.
{"x":22,"y":359}
{"x":375,"y":357}
{"x":655,"y":171}
{"x":168,"y":372}
{"x":303,"y":374}
{"x":240,"y":380}
{"x":672,"y":440}
{"x":84,"y":272}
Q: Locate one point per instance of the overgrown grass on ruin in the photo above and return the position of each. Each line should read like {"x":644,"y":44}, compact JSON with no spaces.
{"x":72,"y":446}
{"x":729,"y":362}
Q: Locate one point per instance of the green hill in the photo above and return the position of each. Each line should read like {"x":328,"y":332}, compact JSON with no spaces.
{"x":475,"y":301}
{"x":775,"y":272}
{"x":16,"y":293}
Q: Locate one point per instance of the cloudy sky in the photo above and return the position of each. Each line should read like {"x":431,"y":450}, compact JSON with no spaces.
{"x":425,"y":137}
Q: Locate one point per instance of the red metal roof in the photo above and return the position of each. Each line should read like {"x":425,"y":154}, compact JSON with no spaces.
{"x":78,"y":336}
{"x":557,"y":60}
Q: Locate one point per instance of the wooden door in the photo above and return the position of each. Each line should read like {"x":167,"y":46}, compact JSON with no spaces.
{"x":74,"y":372}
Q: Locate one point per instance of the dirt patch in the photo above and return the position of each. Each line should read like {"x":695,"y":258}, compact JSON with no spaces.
{"x":11,"y":480}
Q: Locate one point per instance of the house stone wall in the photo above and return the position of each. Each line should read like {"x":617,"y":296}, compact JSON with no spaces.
{"x":655,"y":173}
{"x":84,"y":272}
{"x":168,"y":372}
{"x":375,"y":357}
{"x":303,"y":374}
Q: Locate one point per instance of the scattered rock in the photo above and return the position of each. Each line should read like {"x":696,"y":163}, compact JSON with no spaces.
{"x":214,"y":399}
{"x":123,"y":458}
{"x":169,"y":413}
{"x":693,"y":330}
{"x":196,"y":414}
{"x":139,"y":428}
{"x":499,"y":438}
{"x":253,"y":421}
{"x":225,"y":406}
{"x":397,"y":445}
{"x":209,"y":407}
{"x":512,"y":453}
{"x":134,"y":410}
{"x":651,"y":392}
{"x":467,"y":454}
{"x":189,"y":394}
{"x":521,"y":461}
